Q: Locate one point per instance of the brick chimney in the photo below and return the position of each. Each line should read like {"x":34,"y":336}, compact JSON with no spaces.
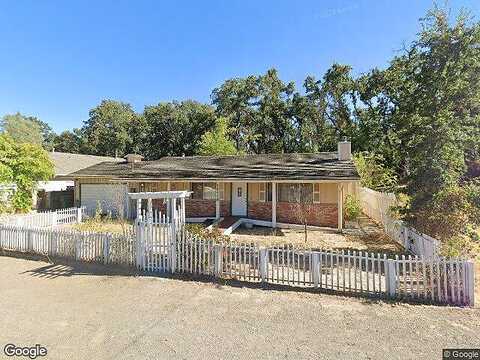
{"x":344,"y":150}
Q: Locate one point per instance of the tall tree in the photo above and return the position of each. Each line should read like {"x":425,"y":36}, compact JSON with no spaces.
{"x":23,"y":164}
{"x":436,"y":88}
{"x":175,"y":129}
{"x":106,"y":129}
{"x":259,"y":109}
{"x":69,"y":142}
{"x":23,"y":129}
{"x":217,"y":141}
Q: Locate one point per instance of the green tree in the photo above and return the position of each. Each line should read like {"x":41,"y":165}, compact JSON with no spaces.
{"x":436,"y":88}
{"x":23,"y":164}
{"x":259,"y":108}
{"x":176,"y":129}
{"x":217,"y":141}
{"x":23,"y":129}
{"x":48,"y":135}
{"x":374,"y":174}
{"x":69,"y":142}
{"x":106,"y":131}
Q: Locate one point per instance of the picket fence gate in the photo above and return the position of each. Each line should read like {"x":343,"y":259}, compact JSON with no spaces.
{"x":163,"y":246}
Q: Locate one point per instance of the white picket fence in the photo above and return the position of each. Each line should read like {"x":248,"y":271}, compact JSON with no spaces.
{"x":168,"y":247}
{"x":376,"y":205}
{"x":437,"y":280}
{"x":45,"y":219}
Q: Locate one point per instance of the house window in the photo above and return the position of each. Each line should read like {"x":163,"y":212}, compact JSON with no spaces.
{"x":316,"y":193}
{"x":239,"y":192}
{"x":261,"y":192}
{"x":295,"y":193}
{"x":221,"y":191}
{"x":197,"y":189}
{"x":265,"y":192}
{"x":210,"y":191}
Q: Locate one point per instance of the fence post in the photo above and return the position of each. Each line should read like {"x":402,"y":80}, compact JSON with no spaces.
{"x":106,"y":249}
{"x":390,"y":278}
{"x":78,"y":246}
{"x":470,"y":285}
{"x":406,"y":244}
{"x":217,"y":256}
{"x":140,"y":239}
{"x":54,"y":218}
{"x":79,"y":215}
{"x":173,"y":247}
{"x":30,"y":241}
{"x":263,"y":264}
{"x":316,"y":269}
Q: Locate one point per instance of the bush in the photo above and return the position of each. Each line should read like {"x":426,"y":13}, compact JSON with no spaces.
{"x":210,"y":235}
{"x":453,"y":217}
{"x":373,"y":174}
{"x":353,"y":208}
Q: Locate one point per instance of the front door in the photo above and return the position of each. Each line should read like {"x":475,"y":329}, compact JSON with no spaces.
{"x":239,"y":199}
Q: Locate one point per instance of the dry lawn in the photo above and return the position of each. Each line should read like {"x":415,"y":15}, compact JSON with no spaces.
{"x":364,"y":235}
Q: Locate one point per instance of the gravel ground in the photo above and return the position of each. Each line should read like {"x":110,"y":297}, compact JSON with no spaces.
{"x":86,"y":312}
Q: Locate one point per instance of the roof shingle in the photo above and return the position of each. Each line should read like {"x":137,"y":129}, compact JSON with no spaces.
{"x":320,"y":166}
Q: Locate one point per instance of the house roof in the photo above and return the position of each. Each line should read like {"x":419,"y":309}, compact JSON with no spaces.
{"x":319,"y":166}
{"x":66,"y":163}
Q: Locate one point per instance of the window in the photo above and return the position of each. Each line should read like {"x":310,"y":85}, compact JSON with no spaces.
{"x":265,"y":192}
{"x":316,"y":193}
{"x":221,"y":191}
{"x":239,"y":192}
{"x":210,"y":191}
{"x":295,"y":193}
{"x":261,"y":192}
{"x":197,"y":189}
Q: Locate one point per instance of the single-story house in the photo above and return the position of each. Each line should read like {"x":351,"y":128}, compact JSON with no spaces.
{"x":268,"y":189}
{"x":59,"y":192}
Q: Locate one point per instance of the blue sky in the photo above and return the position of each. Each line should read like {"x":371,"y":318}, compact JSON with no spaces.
{"x":61,"y":58}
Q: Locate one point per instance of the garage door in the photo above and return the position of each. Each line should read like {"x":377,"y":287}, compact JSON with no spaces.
{"x":111,"y":198}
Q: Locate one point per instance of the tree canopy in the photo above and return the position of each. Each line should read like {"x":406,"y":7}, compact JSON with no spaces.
{"x":23,"y":129}
{"x":217,"y":141}
{"x":23,"y":164}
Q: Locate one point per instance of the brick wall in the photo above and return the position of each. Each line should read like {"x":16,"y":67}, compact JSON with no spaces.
{"x":290,"y":213}
{"x":260,"y":210}
{"x":195,"y":207}
{"x":205,"y":208}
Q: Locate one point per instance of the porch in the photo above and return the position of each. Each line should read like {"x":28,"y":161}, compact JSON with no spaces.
{"x":271,"y":204}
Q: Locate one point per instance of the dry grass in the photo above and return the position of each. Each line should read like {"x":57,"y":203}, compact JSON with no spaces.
{"x":362,"y":236}
{"x":104,"y":225}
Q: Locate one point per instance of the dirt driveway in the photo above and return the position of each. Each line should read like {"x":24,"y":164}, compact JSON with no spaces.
{"x":82,"y":312}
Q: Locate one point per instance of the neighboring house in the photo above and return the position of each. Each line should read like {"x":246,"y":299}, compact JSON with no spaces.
{"x":59,"y":192}
{"x":263,"y":188}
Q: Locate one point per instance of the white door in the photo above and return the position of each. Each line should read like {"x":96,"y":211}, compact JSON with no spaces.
{"x":239,"y":199}
{"x":111,"y":198}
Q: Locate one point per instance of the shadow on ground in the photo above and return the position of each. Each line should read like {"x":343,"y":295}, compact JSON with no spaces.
{"x":67,"y":268}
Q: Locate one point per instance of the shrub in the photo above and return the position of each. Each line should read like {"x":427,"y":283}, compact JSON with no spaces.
{"x":210,"y":235}
{"x":373,"y":174}
{"x":453,"y":217}
{"x":353,"y":208}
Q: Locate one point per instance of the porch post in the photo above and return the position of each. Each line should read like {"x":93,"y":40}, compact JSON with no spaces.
{"x":169,"y":213}
{"x":149,"y":211}
{"x":340,"y":206}
{"x":274,"y":204}
{"x":217,"y":203}
{"x":139,"y":209}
